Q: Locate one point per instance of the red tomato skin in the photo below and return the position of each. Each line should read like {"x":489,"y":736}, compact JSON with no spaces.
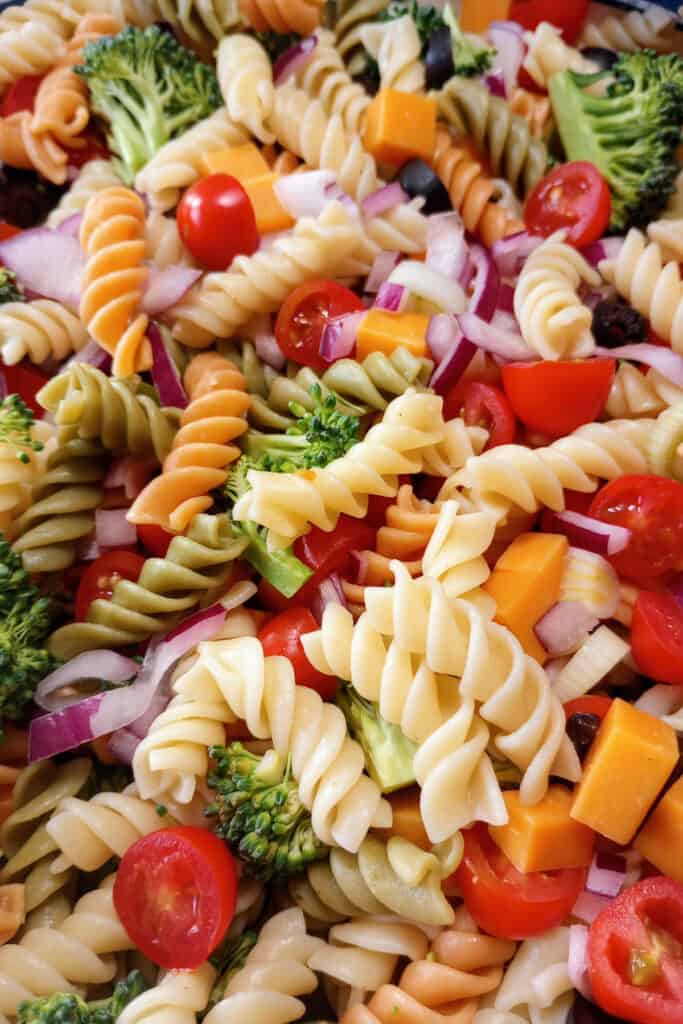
{"x":154,"y":538}
{"x":569,"y":18}
{"x":26,"y":382}
{"x":216,"y":221}
{"x":619,"y":929}
{"x":95,"y":148}
{"x":21,"y":95}
{"x":591,"y":704}
{"x":486,"y":405}
{"x":657,"y":637}
{"x":502,"y":900}
{"x":8,"y":230}
{"x":98,"y":579}
{"x":573,"y":196}
{"x":304,"y":314}
{"x":149,"y":868}
{"x":556,"y":398}
{"x":282,"y":636}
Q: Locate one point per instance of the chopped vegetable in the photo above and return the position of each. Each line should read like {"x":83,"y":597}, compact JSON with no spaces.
{"x":67,"y":1008}
{"x":388,"y":753}
{"x":9,"y":290}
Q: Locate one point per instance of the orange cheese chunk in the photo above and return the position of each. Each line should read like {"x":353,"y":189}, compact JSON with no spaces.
{"x":381,"y":331}
{"x":661,"y":840}
{"x":407,"y":820}
{"x":476,"y":15}
{"x":543,"y":837}
{"x":242,"y":162}
{"x":400,"y":126}
{"x":525,"y":584}
{"x":630,"y":760}
{"x":270,"y":213}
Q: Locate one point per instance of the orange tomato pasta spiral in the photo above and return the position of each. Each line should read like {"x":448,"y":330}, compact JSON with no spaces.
{"x":113,"y":238}
{"x":471,"y":192}
{"x":535,"y":109}
{"x":20,"y":147}
{"x":201,"y":449}
{"x":300,"y":16}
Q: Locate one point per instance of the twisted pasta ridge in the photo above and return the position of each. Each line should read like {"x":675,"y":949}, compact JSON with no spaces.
{"x":63,"y":507}
{"x":202,"y":20}
{"x":347,"y":29}
{"x":201,"y":451}
{"x":651,"y":29}
{"x":179,"y":163}
{"x":668,"y":234}
{"x":94,"y":177}
{"x":23,"y":148}
{"x":410,"y":636}
{"x":61,"y":106}
{"x":471,"y":110}
{"x":32,"y":48}
{"x":232,"y":679}
{"x":20,"y":469}
{"x":245,"y":75}
{"x":224,"y":302}
{"x":463,"y":965}
{"x":548,"y":54}
{"x":397,"y":48}
{"x":194,"y":565}
{"x":60,"y":16}
{"x":86,"y":403}
{"x":455,"y":553}
{"x":535,"y":109}
{"x":412,"y":438}
{"x":639,"y":275}
{"x":537,"y":979}
{"x":114,"y":278}
{"x":163,"y":244}
{"x":325,"y":77}
{"x":636,"y":394}
{"x":590,"y":579}
{"x":471,"y":192}
{"x":282,"y":161}
{"x":76,"y":952}
{"x":553,"y":320}
{"x":299,"y":16}
{"x":176,"y":999}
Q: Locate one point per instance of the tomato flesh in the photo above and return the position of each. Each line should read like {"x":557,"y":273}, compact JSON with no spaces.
{"x":574,"y":196}
{"x":569,"y":18}
{"x":175,"y":893}
{"x":21,"y":95}
{"x":486,"y":406}
{"x":591,"y":704}
{"x":100,"y":578}
{"x":305,"y":314}
{"x":556,"y":398}
{"x":95,"y":148}
{"x":26,"y":382}
{"x":657,"y":637}
{"x":506,"y":903}
{"x":282,"y":636}
{"x":154,"y":538}
{"x":216,"y":221}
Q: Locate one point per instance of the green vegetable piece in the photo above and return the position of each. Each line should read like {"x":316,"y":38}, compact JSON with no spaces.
{"x":9,"y":289}
{"x":470,"y":59}
{"x":388,"y":753}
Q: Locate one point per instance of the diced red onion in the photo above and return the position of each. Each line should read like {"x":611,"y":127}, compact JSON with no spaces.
{"x":453,"y":364}
{"x":94,"y":355}
{"x":591,"y":534}
{"x":48,"y":263}
{"x":446,"y":246}
{"x":164,"y":372}
{"x":606,"y":875}
{"x":265,"y":343}
{"x":589,"y":905}
{"x":71,"y":226}
{"x":511,"y":253}
{"x":565,"y":627}
{"x":659,"y":357}
{"x":123,"y":745}
{"x":166,"y":286}
{"x":293,"y":59}
{"x":484,"y":298}
{"x":106,"y":666}
{"x":131,"y":473}
{"x":335,"y":191}
{"x":605,"y":249}
{"x":577,"y":962}
{"x":510,"y":347}
{"x":384,"y":263}
{"x":495,"y":83}
{"x":506,"y":298}
{"x":385,"y":198}
{"x":303,"y":194}
{"x":392,"y":297}
{"x":508,"y":41}
{"x":330,"y":591}
{"x":339,"y":337}
{"x":112,"y":529}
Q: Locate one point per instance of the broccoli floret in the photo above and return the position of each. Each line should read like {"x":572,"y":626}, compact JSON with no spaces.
{"x":388,"y":753}
{"x":108,"y":1011}
{"x":67,"y":1008}
{"x":630,"y":132}
{"x":228,"y":960}
{"x":259,"y":812}
{"x":469,"y":57}
{"x":149,"y":89}
{"x":16,"y":420}
{"x":9,"y":289}
{"x":427,"y":19}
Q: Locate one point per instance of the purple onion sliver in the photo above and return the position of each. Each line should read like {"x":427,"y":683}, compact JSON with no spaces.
{"x":510,"y":253}
{"x":658,"y":357}
{"x":495,"y":83}
{"x":453,"y":366}
{"x":391,"y":297}
{"x":123,"y":745}
{"x":59,"y":731}
{"x":164,"y":373}
{"x":591,"y":534}
{"x":296,"y":57}
{"x":385,"y":262}
{"x":484,"y":298}
{"x":339,"y":337}
{"x":385,"y":198}
{"x":504,"y":344}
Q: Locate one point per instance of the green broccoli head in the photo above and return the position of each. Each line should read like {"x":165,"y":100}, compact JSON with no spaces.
{"x":260,"y":814}
{"x":62,"y":1008}
{"x":388,"y":753}
{"x":108,"y":1011}
{"x":9,"y":289}
{"x":16,"y":421}
{"x":427,"y":19}
{"x":470,"y":58}
{"x":228,"y":959}
{"x":149,"y":89}
{"x":630,"y":132}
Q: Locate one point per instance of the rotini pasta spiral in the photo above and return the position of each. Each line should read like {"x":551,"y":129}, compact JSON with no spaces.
{"x":245,"y":75}
{"x":471,"y":192}
{"x":538,"y":979}
{"x":668,"y":234}
{"x":547,"y":54}
{"x":112,"y":237}
{"x":456,"y":549}
{"x":352,"y":15}
{"x":232,"y":679}
{"x":299,"y":16}
{"x":224,"y":302}
{"x":31,"y":48}
{"x":535,"y":109}
{"x":471,"y":110}
{"x":176,"y":999}
{"x":21,"y":147}
{"x":590,"y":579}
{"x":86,"y":403}
{"x":397,"y":48}
{"x":325,"y":77}
{"x":651,"y":29}
{"x":202,"y":20}
{"x":95,"y":176}
{"x":163,"y":245}
{"x":20,"y":469}
{"x":61,"y":106}
{"x":636,"y":394}
{"x":63,"y":507}
{"x":60,"y":16}
{"x":553,"y":320}
{"x":41,"y":330}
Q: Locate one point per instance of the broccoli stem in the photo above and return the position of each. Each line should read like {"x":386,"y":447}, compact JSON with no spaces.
{"x":282,"y":569}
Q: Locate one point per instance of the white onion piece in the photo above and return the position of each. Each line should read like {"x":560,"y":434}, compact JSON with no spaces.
{"x":166,"y":286}
{"x":384,"y":263}
{"x":661,"y":700}
{"x":510,"y":347}
{"x":589,"y":905}
{"x":47,"y":263}
{"x":565,"y":626}
{"x":447,"y":251}
{"x":113,"y":530}
{"x":303,"y":194}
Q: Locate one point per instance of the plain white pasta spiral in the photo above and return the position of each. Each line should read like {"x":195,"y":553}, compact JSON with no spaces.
{"x":224,"y":302}
{"x":41,"y":330}
{"x":197,"y":17}
{"x":177,"y":999}
{"x":324,"y":76}
{"x":30,"y":50}
{"x":553,"y":320}
{"x":163,"y":245}
{"x":95,"y":176}
{"x":245,"y":75}
{"x":651,"y":29}
{"x":639,"y":275}
{"x":60,"y":16}
{"x":635,"y":394}
{"x":179,"y":163}
{"x":455,"y":553}
{"x":397,"y":48}
{"x":547,"y":54}
{"x":231,"y":680}
{"x":537,"y":978}
{"x":668,"y":234}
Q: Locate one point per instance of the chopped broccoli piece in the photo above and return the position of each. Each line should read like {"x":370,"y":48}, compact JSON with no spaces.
{"x":9,"y":289}
{"x":108,"y":1011}
{"x":16,"y":420}
{"x":68,"y":1008}
{"x":427,"y":18}
{"x":388,"y":753}
{"x":149,"y":89}
{"x":469,"y":57}
{"x":508,"y":774}
{"x":228,"y":960}
{"x":260,"y":814}
{"x":630,"y":132}
{"x":276,"y":44}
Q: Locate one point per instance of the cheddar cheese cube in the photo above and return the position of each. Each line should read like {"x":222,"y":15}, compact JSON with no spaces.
{"x":269,"y":211}
{"x":476,"y":15}
{"x":543,"y":837}
{"x":382,"y":331}
{"x":661,"y":839}
{"x":406,"y":818}
{"x":400,"y":126}
{"x":242,"y":162}
{"x":631,"y":758}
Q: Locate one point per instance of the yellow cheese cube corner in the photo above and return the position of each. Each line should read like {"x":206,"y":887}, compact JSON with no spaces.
{"x":382,"y":331}
{"x":400,"y":126}
{"x":661,"y":838}
{"x":242,"y":162}
{"x":270,"y":213}
{"x":543,"y":837}
{"x":476,"y":15}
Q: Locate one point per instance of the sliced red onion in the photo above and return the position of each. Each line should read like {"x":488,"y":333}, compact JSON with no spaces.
{"x":505,"y":344}
{"x":164,"y":371}
{"x":446,"y":246}
{"x":113,"y":530}
{"x":166,"y":287}
{"x":591,"y":534}
{"x":484,"y":297}
{"x":505,"y":322}
{"x":47,"y":263}
{"x":453,"y":364}
{"x":106,"y":666}
{"x":564,"y":628}
{"x":577,"y":962}
{"x":330,"y":591}
{"x":495,"y":83}
{"x":384,"y":199}
{"x":589,"y":905}
{"x":508,"y":41}
{"x":606,"y":875}
{"x":506,"y":298}
{"x":303,"y":194}
{"x":87,"y":550}
{"x":512,"y":252}
{"x":339,"y":337}
{"x":660,"y":358}
{"x":442,"y":333}
{"x":384,"y":263}
{"x":103,"y":713}
{"x":293,"y":59}
{"x":336,"y":192}
{"x":267,"y":348}
{"x":131,"y":473}
{"x":94,"y":355}
{"x":392,"y":297}
{"x":123,"y":745}
{"x":605,"y":249}
{"x":71,"y":226}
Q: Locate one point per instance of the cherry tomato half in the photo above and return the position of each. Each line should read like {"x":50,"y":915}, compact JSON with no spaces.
{"x":556,"y":398}
{"x":8,"y":230}
{"x":506,"y":903}
{"x":591,"y":704}
{"x":100,"y":578}
{"x":573,"y":196}
{"x":95,"y":148}
{"x":154,"y":538}
{"x":216,"y":221}
{"x":21,"y":95}
{"x":635,"y":953}
{"x":569,"y":18}
{"x":282,"y":635}
{"x":26,"y":382}
{"x":304,"y":315}
{"x":175,"y":893}
{"x":657,"y":637}
{"x":486,"y":406}
{"x":651,"y":507}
